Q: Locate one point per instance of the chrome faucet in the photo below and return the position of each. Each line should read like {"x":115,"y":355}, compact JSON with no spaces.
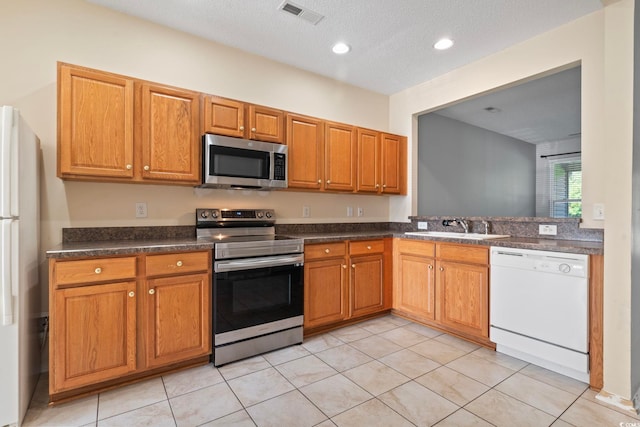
{"x":463,"y":224}
{"x":486,"y":227}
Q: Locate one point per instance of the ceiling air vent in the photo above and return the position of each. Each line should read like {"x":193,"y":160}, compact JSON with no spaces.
{"x":301,"y":12}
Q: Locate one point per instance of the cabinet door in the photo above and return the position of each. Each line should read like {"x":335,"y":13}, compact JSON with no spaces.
{"x":340,"y":157}
{"x":266,"y":124}
{"x":170,"y":134}
{"x":393,"y":164}
{"x":93,"y":334}
{"x":367,"y":284}
{"x":368,"y":161}
{"x":224,"y":116}
{"x":305,"y":139}
{"x":95,"y":124}
{"x":463,"y":297}
{"x":415,"y":290}
{"x":325,"y":292}
{"x":178,"y":318}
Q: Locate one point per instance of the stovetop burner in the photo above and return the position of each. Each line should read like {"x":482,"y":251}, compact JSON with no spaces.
{"x":246,"y":232}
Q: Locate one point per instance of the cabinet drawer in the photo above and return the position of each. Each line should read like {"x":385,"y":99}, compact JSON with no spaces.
{"x":416,"y":247}
{"x":366,"y":247}
{"x":325,"y":250}
{"x":185,"y":262}
{"x":94,"y":270}
{"x":462,"y":253}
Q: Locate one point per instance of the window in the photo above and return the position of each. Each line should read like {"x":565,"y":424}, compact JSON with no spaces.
{"x":565,"y":178}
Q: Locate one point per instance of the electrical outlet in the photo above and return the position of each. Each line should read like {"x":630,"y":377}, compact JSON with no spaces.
{"x":598,"y":211}
{"x":349,"y":210}
{"x":306,"y":211}
{"x":141,"y":210}
{"x":360,"y":211}
{"x":550,"y":230}
{"x":423,"y":225}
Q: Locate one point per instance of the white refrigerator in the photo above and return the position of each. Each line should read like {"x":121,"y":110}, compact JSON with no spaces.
{"x":19,"y":281}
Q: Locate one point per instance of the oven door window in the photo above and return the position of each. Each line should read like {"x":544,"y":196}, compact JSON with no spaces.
{"x":237,"y":162}
{"x":257,"y":296}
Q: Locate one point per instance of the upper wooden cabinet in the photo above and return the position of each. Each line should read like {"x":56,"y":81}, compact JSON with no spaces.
{"x":228,"y":117}
{"x":95,"y":123}
{"x":340,"y":157}
{"x":382,"y":159}
{"x":116,"y":128}
{"x":322,"y":155}
{"x":305,"y":139}
{"x":169,"y":135}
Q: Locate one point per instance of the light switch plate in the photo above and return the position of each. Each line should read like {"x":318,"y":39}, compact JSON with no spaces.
{"x":360,"y":211}
{"x":550,"y":230}
{"x":306,"y":211}
{"x":423,"y":225}
{"x":598,"y":211}
{"x":349,"y":210}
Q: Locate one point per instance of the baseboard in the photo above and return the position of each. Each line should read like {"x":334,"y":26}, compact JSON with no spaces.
{"x":618,"y":401}
{"x":636,"y":400}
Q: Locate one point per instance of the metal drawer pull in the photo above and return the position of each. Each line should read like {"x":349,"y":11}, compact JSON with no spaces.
{"x":132,"y":294}
{"x":369,"y":247}
{"x":98,"y":270}
{"x":179,"y":263}
{"x":326,"y":251}
{"x":152,"y":291}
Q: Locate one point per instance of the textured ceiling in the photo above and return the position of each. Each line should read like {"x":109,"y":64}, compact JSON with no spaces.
{"x":546,"y":109}
{"x":391,"y":40}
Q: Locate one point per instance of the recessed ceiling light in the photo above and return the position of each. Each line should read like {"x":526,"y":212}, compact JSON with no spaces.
{"x":340,"y":48}
{"x":443,"y":44}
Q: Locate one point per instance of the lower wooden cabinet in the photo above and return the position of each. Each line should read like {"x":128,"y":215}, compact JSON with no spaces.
{"x":110,"y":321}
{"x":346,"y":280}
{"x":178,"y":316}
{"x":444,"y":284}
{"x":93,"y":334}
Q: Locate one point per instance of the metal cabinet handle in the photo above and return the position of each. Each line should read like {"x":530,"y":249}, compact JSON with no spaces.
{"x":377,"y":185}
{"x":146,"y":167}
{"x":384,"y":185}
{"x":328,"y":181}
{"x":132,"y":294}
{"x":241,"y":127}
{"x":129,"y":167}
{"x":353,"y":266}
{"x":179,"y":263}
{"x":344,"y":266}
{"x":441,"y":268}
{"x":253,"y":129}
{"x":152,"y":291}
{"x":319,"y":181}
{"x":326,"y":251}
{"x":98,"y":270}
{"x":430,"y":267}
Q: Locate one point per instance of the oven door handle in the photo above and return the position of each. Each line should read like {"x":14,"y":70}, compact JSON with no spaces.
{"x":253,"y":263}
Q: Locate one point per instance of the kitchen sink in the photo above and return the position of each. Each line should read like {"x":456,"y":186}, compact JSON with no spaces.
{"x":454,"y":235}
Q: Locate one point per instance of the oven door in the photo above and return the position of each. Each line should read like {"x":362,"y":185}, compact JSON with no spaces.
{"x":250,"y":292}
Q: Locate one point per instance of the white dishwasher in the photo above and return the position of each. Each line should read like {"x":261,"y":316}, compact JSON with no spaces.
{"x":539,"y":308}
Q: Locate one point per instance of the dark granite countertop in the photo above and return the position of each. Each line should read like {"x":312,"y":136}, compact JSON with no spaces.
{"x":555,"y":245}
{"x":178,"y":242}
{"x":126,"y":247}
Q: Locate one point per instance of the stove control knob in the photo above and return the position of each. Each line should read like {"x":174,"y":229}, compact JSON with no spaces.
{"x":214,"y":214}
{"x":268,"y":214}
{"x":204,"y":214}
{"x":259,"y":214}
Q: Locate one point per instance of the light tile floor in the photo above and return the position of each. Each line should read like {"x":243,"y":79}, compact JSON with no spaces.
{"x":382,"y":372}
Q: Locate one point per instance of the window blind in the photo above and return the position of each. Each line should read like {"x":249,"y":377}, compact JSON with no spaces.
{"x":565,"y":179}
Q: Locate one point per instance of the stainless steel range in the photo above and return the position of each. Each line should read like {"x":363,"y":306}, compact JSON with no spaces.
{"x":257,"y":283}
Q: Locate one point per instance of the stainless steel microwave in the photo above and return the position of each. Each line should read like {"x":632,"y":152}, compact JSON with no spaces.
{"x":239,"y":163}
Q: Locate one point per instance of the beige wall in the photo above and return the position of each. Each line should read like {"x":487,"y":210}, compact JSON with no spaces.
{"x":602,"y":42}
{"x":37,"y":33}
